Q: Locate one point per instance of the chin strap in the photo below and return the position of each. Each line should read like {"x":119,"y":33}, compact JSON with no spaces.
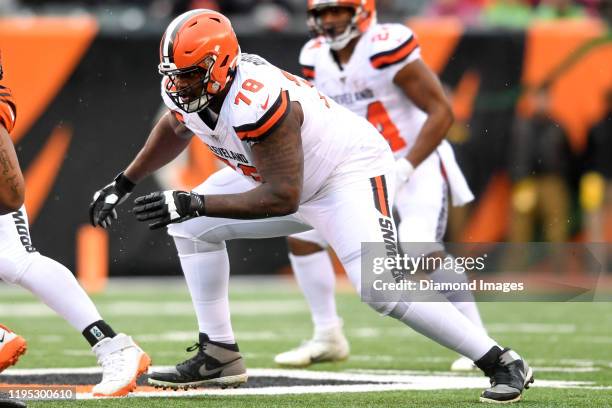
{"x":342,"y":40}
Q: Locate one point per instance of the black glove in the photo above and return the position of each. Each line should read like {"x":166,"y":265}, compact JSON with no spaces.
{"x":102,"y":208}
{"x":168,"y":207}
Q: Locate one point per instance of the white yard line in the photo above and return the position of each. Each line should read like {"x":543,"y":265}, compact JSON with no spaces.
{"x":523,"y":328}
{"x":544,"y":328}
{"x":157,"y":308}
{"x":187,"y":336}
{"x":380,"y":380}
{"x":392,"y":380}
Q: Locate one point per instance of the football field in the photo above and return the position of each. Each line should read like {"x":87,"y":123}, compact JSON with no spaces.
{"x":568,"y":344}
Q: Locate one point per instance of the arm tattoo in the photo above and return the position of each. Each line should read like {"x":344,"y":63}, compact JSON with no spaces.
{"x":10,"y":176}
{"x":14,"y":185}
{"x":5,"y":163}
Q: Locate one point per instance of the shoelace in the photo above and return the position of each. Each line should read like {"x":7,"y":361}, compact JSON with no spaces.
{"x":501,"y":376}
{"x":196,"y":346}
{"x":112,"y":364}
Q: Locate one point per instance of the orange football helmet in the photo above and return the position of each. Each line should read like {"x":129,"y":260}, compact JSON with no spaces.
{"x":363,"y":18}
{"x":198,"y":44}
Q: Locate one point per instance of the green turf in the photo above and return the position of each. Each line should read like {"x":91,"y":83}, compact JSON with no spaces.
{"x":534,"y":398}
{"x":269,"y":318}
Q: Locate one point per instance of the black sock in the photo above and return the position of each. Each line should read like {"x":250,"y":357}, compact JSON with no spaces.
{"x":487,"y":362}
{"x":97,"y":331}
{"x":204,"y":339}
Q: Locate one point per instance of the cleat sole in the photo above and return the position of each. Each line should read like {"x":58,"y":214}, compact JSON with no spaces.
{"x":12,"y":351}
{"x":233,"y":381}
{"x":492,"y":401}
{"x":302,"y":364}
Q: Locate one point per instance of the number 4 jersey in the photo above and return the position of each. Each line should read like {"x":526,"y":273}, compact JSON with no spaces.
{"x":335,"y":141}
{"x":365,"y":84}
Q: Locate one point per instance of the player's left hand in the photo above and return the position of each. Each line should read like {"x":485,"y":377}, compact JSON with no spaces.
{"x":168,"y":207}
{"x":403,"y":171}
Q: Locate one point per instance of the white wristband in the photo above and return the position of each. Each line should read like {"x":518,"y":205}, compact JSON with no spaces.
{"x":403,"y":170}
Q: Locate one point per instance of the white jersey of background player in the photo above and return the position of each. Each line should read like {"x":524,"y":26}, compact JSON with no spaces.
{"x":299,"y":161}
{"x":376,"y":71}
{"x":20,"y":263}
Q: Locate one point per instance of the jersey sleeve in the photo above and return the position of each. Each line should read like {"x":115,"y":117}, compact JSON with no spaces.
{"x":393,"y":47}
{"x":8,"y":110}
{"x":258,"y":108}
{"x":308,"y":56}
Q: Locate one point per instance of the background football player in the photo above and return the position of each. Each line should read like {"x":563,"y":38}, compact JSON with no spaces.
{"x":121,"y":359}
{"x":296,"y":160}
{"x":376,"y":71}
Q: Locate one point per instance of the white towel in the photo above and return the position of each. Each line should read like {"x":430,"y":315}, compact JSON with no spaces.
{"x":460,"y":191}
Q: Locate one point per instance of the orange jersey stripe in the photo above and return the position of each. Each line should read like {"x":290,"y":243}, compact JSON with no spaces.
{"x":308,"y":72}
{"x":380,"y":190}
{"x":8,"y":111}
{"x":268,"y":122}
{"x":7,"y":115}
{"x":179,"y":116}
{"x":387,"y":58}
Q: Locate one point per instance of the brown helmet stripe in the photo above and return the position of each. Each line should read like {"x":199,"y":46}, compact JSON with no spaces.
{"x":170,"y":35}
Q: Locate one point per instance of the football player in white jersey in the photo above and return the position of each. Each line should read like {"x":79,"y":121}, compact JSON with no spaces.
{"x":375,"y":70}
{"x":296,"y":161}
{"x":121,"y":359}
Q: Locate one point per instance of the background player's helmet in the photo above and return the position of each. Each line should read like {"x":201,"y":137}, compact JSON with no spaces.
{"x":199,"y":43}
{"x":364,"y":17}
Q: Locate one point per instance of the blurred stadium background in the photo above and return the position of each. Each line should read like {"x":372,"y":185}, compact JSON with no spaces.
{"x":531,"y":86}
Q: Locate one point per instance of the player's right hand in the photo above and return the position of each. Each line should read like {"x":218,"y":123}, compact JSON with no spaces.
{"x":102,"y":208}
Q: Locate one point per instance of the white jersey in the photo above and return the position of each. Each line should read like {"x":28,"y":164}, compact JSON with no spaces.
{"x":334,"y":140}
{"x":365,"y":84}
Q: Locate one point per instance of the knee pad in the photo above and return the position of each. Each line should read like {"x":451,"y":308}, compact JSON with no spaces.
{"x":12,"y":269}
{"x":188,"y":246}
{"x":8,"y":270}
{"x":399,"y":310}
{"x":393,"y":309}
{"x":311,"y":237}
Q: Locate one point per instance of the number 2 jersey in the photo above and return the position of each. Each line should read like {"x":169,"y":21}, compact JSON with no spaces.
{"x":365,"y":84}
{"x":335,"y":141}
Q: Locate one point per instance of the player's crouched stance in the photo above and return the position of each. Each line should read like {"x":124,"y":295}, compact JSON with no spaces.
{"x":121,"y":359}
{"x":296,"y":161}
